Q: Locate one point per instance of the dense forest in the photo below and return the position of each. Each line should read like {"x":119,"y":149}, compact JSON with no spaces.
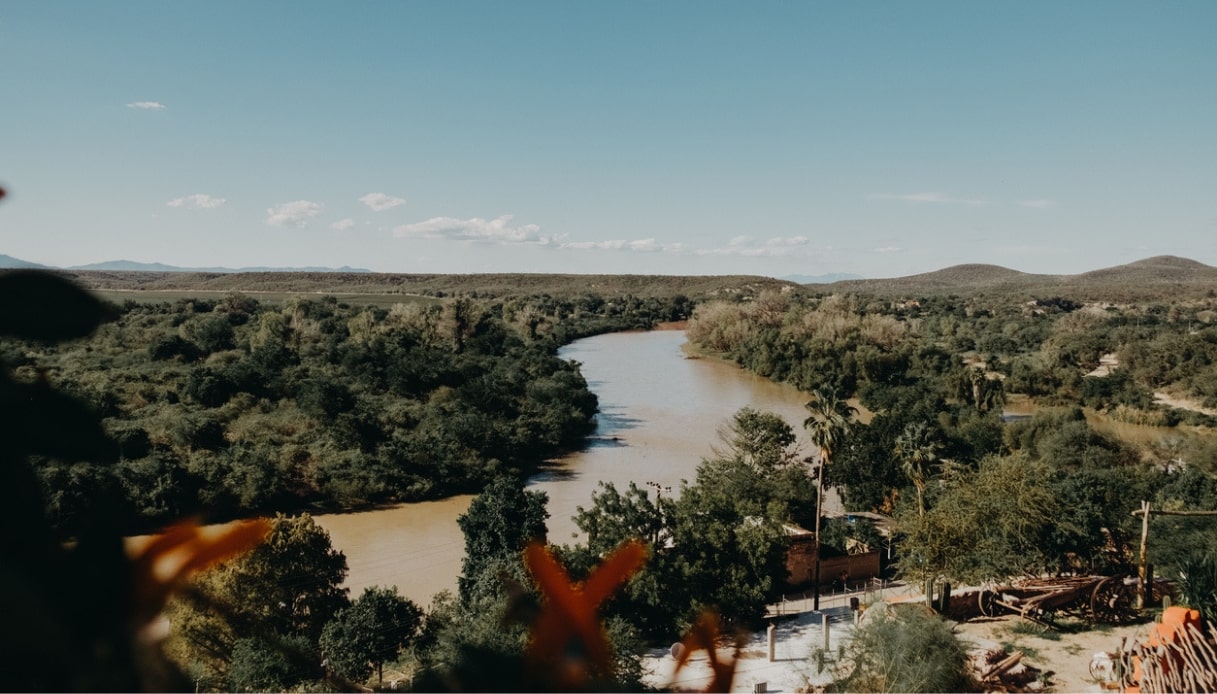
{"x":1043,"y":491}
{"x":229,"y":407}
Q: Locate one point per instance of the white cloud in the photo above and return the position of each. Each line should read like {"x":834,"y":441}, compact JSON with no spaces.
{"x":750,"y":247}
{"x":1038,"y":204}
{"x":380,"y":202}
{"x":888,"y":249}
{"x":147,"y":105}
{"x":937,"y":198}
{"x":501,"y":231}
{"x":638,"y":245}
{"x":498,"y":230}
{"x":198,"y":201}
{"x":781,"y":242}
{"x":297,"y":213}
{"x":343,"y":224}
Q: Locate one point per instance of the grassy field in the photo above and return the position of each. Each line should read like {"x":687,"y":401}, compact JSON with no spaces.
{"x":169,"y":285}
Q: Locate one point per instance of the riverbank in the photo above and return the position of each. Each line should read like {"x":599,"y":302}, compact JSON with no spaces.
{"x":660,"y":415}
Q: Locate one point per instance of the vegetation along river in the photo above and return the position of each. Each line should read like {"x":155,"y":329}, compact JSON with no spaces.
{"x":660,"y":412}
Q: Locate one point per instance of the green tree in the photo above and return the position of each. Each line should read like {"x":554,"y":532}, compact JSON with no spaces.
{"x":721,"y":544}
{"x":918,"y":452}
{"x":500,"y":522}
{"x":211,"y":332}
{"x":478,"y":644}
{"x":289,"y":586}
{"x":615,"y":517}
{"x":758,"y":463}
{"x":369,"y":633}
{"x":724,"y":555}
{"x":987,"y":525}
{"x":829,"y":424}
{"x":293,"y":581}
{"x":259,"y":665}
{"x":763,"y":440}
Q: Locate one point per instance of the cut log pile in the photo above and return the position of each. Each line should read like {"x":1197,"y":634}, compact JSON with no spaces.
{"x":999,"y":671}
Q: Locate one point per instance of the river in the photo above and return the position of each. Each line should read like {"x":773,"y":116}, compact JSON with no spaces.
{"x":660,"y":413}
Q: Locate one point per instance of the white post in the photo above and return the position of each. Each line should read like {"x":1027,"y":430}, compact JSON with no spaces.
{"x":824,"y":626}
{"x":772,"y":642}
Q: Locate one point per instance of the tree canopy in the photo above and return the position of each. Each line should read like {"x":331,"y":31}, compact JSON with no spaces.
{"x":281,"y":595}
{"x":721,"y":544}
{"x":499,"y":523}
{"x":373,"y":630}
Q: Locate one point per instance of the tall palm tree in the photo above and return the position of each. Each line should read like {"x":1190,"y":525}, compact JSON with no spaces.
{"x":918,"y":452}
{"x":829,"y":425}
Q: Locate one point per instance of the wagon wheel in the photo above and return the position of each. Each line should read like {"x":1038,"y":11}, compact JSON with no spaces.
{"x":1111,"y":602}
{"x":987,"y":602}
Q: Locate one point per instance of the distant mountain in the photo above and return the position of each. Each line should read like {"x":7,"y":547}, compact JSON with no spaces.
{"x":133,"y":266}
{"x":1161,"y":269}
{"x":8,"y":262}
{"x":1144,"y":278}
{"x":127,"y":266}
{"x":1151,"y":278}
{"x":821,"y":279}
{"x":957,"y":277}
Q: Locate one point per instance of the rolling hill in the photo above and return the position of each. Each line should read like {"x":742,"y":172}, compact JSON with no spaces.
{"x":1149,"y":278}
{"x":1154,"y":277}
{"x":8,"y":262}
{"x":970,"y":277}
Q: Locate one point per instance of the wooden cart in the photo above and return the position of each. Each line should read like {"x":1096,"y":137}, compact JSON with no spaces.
{"x":1102,"y":599}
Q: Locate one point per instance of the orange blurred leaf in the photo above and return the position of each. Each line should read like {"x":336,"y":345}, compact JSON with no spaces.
{"x":569,"y":616}
{"x":705,"y":635}
{"x":185,"y":548}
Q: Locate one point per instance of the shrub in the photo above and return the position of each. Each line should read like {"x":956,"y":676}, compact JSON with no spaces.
{"x":904,"y":650}
{"x":1198,"y":585}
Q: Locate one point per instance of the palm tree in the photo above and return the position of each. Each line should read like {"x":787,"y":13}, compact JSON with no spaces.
{"x":829,"y":424}
{"x":918,"y":452}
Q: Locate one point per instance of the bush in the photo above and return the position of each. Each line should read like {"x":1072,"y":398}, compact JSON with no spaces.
{"x":1198,"y":585}
{"x":259,"y":665}
{"x":904,"y":650}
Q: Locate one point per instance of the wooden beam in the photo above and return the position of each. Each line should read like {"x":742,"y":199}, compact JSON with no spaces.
{"x":1143,"y":589}
{"x":1160,"y":512}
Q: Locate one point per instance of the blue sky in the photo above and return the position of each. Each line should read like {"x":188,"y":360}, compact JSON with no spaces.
{"x":775,"y":138}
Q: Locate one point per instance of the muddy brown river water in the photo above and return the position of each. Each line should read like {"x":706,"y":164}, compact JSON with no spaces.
{"x":660,"y":413}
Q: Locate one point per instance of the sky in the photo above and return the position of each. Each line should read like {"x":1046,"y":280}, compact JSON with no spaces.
{"x":878,"y":139}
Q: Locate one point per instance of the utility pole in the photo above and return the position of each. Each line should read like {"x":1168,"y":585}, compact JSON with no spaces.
{"x":815,"y":579}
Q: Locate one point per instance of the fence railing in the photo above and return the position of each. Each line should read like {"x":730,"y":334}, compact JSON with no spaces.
{"x":865,"y":592}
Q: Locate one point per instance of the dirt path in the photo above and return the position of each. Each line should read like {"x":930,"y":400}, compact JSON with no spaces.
{"x":1182,"y":403}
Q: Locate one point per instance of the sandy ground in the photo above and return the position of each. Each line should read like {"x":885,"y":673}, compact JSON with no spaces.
{"x":792,"y":669}
{"x":1064,"y":662}
{"x":1107,"y":364}
{"x":1182,"y":403}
